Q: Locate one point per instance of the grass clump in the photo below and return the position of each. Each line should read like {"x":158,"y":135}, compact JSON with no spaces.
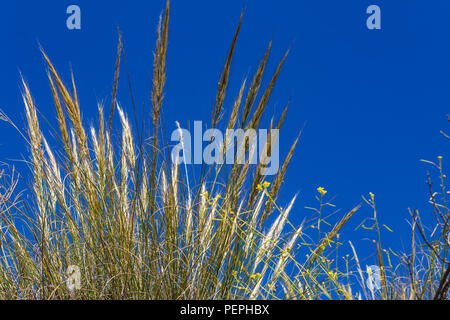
{"x":117,"y":219}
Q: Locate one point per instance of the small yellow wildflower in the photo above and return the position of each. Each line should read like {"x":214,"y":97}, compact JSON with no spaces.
{"x":322,"y":191}
{"x":332,"y":274}
{"x":266,"y":184}
{"x":255,"y":276}
{"x":259,"y":187}
{"x":440,"y":158}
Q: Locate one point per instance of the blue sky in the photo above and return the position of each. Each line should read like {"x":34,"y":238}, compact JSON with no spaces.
{"x":372,"y":101}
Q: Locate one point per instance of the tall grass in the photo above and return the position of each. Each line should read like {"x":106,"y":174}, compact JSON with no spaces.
{"x":117,"y":219}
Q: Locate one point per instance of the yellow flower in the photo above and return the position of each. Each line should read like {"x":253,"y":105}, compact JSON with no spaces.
{"x":322,"y":191}
{"x":372,"y":196}
{"x":264,"y":185}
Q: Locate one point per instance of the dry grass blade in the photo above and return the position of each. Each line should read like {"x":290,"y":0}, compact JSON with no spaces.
{"x":254,"y":87}
{"x":159,"y":65}
{"x":223,"y":82}
{"x":329,"y":237}
{"x":116,"y":79}
{"x":254,"y":122}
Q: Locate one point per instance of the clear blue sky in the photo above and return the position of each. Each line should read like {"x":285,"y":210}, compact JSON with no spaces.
{"x":373,"y":101}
